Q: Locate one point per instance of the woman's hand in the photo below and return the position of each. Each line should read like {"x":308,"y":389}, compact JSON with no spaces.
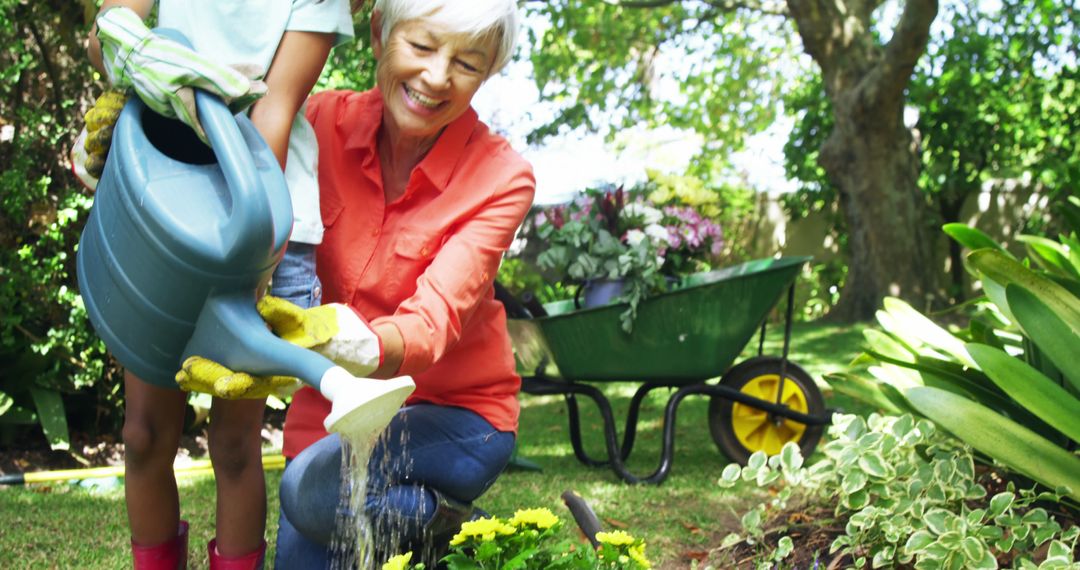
{"x":333,"y":330}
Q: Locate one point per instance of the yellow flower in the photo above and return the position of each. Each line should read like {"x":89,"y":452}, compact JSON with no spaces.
{"x":485,"y":529}
{"x":615,"y":538}
{"x":540,"y":518}
{"x":398,"y":562}
{"x":637,"y":552}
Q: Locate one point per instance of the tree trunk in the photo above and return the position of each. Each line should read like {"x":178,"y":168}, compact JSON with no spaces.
{"x":870,"y":156}
{"x":872,"y":163}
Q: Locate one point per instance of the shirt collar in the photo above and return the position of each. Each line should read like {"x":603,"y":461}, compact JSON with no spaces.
{"x":441,"y":160}
{"x":365,"y":122}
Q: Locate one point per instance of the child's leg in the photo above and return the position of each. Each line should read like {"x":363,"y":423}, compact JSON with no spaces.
{"x":153,"y":421}
{"x":236,"y":451}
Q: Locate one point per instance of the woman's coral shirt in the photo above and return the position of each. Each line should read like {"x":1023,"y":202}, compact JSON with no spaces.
{"x":425,"y":262}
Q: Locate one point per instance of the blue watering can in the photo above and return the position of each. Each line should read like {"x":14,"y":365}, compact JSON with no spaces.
{"x":180,"y":240}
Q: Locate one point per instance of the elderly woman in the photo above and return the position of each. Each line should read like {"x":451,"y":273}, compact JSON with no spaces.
{"x":419,"y":200}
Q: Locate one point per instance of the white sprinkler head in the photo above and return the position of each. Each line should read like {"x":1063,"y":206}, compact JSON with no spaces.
{"x":362,"y":407}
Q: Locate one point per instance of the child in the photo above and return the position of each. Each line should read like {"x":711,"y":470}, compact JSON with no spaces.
{"x":289,"y":40}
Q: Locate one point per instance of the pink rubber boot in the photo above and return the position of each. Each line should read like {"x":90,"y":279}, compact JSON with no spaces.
{"x":249,"y":561}
{"x":170,"y":555}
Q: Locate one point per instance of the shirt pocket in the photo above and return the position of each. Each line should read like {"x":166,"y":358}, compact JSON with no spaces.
{"x":417,"y":244}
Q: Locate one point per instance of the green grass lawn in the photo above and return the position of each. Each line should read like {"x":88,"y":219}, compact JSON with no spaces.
{"x":65,"y":526}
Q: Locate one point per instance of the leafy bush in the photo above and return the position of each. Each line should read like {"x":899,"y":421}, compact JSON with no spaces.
{"x":47,"y":350}
{"x":1008,"y":383}
{"x":909,"y":495}
{"x":617,"y":234}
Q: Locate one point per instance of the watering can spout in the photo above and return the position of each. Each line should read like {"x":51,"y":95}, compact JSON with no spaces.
{"x":230,"y":331}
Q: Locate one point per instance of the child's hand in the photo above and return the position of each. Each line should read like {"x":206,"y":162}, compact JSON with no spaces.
{"x":163,"y":72}
{"x":201,"y":375}
{"x":92,"y":145}
{"x":100,"y":120}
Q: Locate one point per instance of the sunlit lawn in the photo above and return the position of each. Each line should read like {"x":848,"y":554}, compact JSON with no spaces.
{"x":70,"y":527}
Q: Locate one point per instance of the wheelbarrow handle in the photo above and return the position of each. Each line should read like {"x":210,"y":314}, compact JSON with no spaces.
{"x":586,"y":519}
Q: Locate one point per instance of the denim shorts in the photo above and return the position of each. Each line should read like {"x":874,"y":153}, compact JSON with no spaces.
{"x":294,"y":279}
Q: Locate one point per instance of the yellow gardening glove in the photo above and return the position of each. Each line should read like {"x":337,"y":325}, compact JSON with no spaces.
{"x":201,"y":375}
{"x":100,"y":120}
{"x":332,"y":330}
{"x":302,"y":327}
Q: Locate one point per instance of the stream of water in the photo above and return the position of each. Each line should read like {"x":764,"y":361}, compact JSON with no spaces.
{"x":354,"y":543}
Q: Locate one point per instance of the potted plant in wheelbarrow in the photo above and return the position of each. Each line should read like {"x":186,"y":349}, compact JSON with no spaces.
{"x":615,"y":245}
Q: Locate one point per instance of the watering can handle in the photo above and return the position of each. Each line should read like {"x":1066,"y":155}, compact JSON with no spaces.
{"x":250,"y":220}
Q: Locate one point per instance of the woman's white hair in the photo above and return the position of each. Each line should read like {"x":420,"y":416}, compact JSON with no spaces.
{"x":478,"y":19}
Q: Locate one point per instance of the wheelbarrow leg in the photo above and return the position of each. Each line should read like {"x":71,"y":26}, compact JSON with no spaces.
{"x":575,"y":433}
{"x":667,"y":452}
{"x":630,"y":433}
{"x":570,"y":390}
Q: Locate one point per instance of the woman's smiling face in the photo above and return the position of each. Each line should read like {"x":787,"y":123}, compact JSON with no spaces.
{"x":428,"y":77}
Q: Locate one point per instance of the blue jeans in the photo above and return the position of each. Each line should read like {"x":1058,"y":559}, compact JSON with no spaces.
{"x":294,"y":278}
{"x":450,"y":449}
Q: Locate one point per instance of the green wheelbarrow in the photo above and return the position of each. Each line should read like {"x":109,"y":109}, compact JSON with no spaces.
{"x":682,"y":339}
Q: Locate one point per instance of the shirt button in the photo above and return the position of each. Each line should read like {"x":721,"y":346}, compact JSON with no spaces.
{"x":375,"y":232}
{"x":316,"y":293}
{"x":424,"y":251}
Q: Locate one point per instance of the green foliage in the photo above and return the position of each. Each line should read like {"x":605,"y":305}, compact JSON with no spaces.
{"x":1007,"y":384}
{"x":46,"y":346}
{"x":814,"y":115}
{"x":909,"y":494}
{"x":352,"y":65}
{"x":609,"y":67}
{"x":818,"y":289}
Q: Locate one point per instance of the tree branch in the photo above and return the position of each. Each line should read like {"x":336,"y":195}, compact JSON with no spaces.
{"x":816,"y":22}
{"x":47,"y":63}
{"x":907,"y":45}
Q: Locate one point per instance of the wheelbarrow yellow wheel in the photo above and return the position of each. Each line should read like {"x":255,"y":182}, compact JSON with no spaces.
{"x":740,"y":429}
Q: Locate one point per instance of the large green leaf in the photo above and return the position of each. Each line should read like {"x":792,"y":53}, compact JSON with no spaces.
{"x":899,"y":377}
{"x":882,"y":343}
{"x":1051,"y":255}
{"x":1030,"y":388}
{"x":969,"y":382}
{"x":999,"y":271}
{"x":912,"y":328}
{"x":1072,"y":251}
{"x":881,"y":396}
{"x":971,"y":238}
{"x":1056,"y":337}
{"x":1070,"y":285}
{"x":1000,"y":438}
{"x":50,"y":411}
